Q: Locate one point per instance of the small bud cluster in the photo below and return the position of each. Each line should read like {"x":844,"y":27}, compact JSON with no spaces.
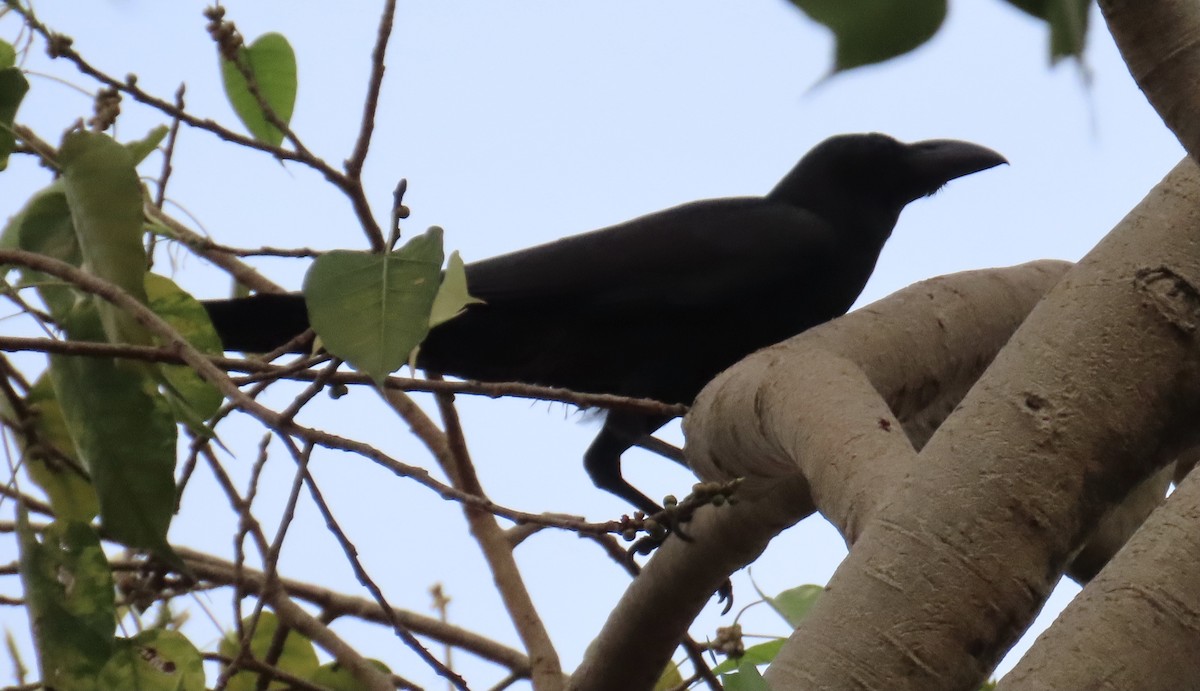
{"x":58,"y":45}
{"x":675,"y":513}
{"x":715,"y":493}
{"x":729,"y":641}
{"x":105,"y":109}
{"x":226,"y":35}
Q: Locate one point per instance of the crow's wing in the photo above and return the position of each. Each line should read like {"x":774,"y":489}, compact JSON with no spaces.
{"x":698,"y":254}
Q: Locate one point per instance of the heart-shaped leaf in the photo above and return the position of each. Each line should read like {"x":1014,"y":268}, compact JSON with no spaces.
{"x":271,"y":63}
{"x":370,"y":309}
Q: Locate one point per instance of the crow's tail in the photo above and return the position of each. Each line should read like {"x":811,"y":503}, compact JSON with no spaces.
{"x":259,"y":323}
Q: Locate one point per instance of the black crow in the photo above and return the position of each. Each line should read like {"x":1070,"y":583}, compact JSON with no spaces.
{"x":657,"y":306}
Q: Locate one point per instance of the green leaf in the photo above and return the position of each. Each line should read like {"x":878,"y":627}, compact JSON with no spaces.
{"x":335,"y":677}
{"x":747,"y":679}
{"x":141,"y":148}
{"x":272,"y":63}
{"x":871,"y":31}
{"x":68,"y":488}
{"x":191,"y":398}
{"x":298,"y":656}
{"x":154,"y":660}
{"x":44,"y":226}
{"x":452,"y":296}
{"x":761,"y":654}
{"x":371,"y":310}
{"x":669,"y":679}
{"x":1068,"y":20}
{"x":105,"y":198}
{"x":69,"y":598}
{"x":794,"y":604}
{"x":8,"y":55}
{"x":13,"y":87}
{"x":124,"y":432}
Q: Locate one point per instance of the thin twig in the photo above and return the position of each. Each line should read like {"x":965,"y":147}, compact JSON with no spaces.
{"x":370,"y":104}
{"x":271,"y":561}
{"x":546,"y":669}
{"x":207,"y":245}
{"x":310,"y":392}
{"x":309,"y":626}
{"x":169,"y":151}
{"x":30,"y":503}
{"x":26,"y":424}
{"x":360,"y":572}
{"x":247,"y":525}
{"x":399,"y":212}
{"x":164,"y":174}
{"x":59,"y":46}
{"x":354,"y":164}
{"x":211,"y":569}
{"x":242,"y":272}
{"x":272,"y":672}
{"x":351,"y":186}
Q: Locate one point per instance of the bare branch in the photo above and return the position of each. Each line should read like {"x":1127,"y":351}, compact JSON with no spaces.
{"x":211,"y":569}
{"x":546,"y":670}
{"x":59,"y":46}
{"x":355,"y":163}
{"x":360,"y":572}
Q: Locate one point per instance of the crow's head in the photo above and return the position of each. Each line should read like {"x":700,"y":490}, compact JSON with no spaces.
{"x":852,"y":174}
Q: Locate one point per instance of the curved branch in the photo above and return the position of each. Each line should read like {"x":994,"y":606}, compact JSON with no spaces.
{"x":1098,"y":388}
{"x":918,"y":349}
{"x":1137,"y":625}
{"x":1160,"y":42}
{"x":1128,"y":627}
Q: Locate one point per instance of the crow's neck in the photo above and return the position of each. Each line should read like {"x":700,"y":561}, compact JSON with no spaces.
{"x":861,"y":212}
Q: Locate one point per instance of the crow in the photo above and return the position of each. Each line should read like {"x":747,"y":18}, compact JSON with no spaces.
{"x":657,"y":306}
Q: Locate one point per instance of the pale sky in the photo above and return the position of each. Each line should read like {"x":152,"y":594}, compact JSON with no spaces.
{"x":518,"y":123}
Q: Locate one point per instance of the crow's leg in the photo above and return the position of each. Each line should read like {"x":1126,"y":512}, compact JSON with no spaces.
{"x":602,"y":460}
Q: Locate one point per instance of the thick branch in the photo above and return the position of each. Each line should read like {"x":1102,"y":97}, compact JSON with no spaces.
{"x":921,"y":347}
{"x":1160,"y":41}
{"x":829,"y":402}
{"x":1097,"y":389}
{"x":1137,"y":626}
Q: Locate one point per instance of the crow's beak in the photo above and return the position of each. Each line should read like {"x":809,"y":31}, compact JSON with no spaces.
{"x":934,"y":162}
